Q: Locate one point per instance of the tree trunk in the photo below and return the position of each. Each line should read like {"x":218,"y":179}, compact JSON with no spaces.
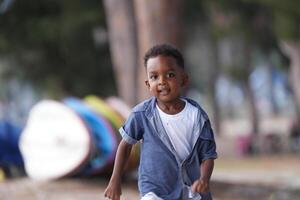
{"x":123,"y":46}
{"x":158,"y":21}
{"x":214,"y":73}
{"x":274,"y":105}
{"x":292,"y":50}
{"x":249,"y":92}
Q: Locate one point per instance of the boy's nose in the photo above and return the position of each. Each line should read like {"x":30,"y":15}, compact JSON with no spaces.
{"x":162,"y":81}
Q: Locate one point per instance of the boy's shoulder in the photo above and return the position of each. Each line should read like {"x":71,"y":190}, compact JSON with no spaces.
{"x":197,"y":105}
{"x":144,"y":105}
{"x":149,"y":105}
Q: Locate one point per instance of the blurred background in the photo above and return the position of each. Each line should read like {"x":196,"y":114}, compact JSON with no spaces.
{"x":243,"y":59}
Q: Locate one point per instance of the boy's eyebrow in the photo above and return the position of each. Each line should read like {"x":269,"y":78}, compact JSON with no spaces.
{"x":152,"y":72}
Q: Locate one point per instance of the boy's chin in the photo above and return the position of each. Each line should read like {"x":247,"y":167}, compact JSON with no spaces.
{"x":166,"y":99}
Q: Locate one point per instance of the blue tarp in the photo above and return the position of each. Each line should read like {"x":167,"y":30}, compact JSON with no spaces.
{"x":9,"y":149}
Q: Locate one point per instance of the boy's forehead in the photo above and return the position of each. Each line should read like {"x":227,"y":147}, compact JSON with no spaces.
{"x":162,"y":61}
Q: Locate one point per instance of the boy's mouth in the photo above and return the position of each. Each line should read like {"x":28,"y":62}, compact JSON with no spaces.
{"x":164,"y":91}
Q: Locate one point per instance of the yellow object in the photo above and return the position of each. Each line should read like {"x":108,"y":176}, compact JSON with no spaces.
{"x":105,"y":110}
{"x":117,"y":121}
{"x":2,"y":175}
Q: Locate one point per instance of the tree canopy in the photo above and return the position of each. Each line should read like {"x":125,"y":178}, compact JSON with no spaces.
{"x":59,"y":45}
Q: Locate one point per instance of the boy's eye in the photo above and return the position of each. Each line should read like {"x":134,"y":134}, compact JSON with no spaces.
{"x":153,"y":77}
{"x":170,"y":75}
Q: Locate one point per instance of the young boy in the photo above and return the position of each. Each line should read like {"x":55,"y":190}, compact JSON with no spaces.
{"x":177,"y":142}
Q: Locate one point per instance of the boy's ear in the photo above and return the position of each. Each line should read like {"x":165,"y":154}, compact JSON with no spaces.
{"x":147,"y":83}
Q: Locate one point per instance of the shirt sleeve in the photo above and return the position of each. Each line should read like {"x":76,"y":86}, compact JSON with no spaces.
{"x":207,"y":146}
{"x":132,"y":130}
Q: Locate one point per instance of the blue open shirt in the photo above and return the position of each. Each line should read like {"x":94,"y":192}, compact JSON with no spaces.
{"x":160,"y":170}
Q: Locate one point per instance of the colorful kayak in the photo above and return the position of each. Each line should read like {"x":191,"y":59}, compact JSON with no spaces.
{"x":104,"y":142}
{"x":55,"y":141}
{"x":105,"y":110}
{"x":121,"y":107}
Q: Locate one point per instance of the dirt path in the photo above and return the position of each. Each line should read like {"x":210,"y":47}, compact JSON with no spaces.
{"x":260,"y":178}
{"x":67,"y":189}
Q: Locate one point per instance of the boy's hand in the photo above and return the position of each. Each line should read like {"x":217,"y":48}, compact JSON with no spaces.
{"x":113,"y":191}
{"x":200,"y":186}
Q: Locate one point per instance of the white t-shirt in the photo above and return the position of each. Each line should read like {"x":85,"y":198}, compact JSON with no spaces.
{"x":179,"y":128}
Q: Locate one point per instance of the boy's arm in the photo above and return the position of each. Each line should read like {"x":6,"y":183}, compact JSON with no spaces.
{"x":206,"y":169}
{"x":113,"y":190}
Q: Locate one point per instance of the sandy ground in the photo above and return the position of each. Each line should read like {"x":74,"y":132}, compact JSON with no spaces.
{"x":274,"y":177}
{"x":268,"y":176}
{"x":282,"y":171}
{"x":70,"y":189}
{"x":66,"y":189}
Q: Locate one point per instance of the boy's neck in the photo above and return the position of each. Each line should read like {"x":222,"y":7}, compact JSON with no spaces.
{"x":173,"y":107}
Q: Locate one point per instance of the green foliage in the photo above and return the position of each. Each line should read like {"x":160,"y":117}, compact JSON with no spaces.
{"x":194,"y":10}
{"x":286,"y":15}
{"x":52,"y":42}
{"x":287,"y":26}
{"x":238,"y":73}
{"x":287,"y":6}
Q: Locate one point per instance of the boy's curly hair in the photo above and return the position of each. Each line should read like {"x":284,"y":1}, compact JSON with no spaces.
{"x":164,"y":50}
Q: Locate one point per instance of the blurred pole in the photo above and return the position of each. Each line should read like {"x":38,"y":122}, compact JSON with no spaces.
{"x":123,"y":46}
{"x":214,"y":73}
{"x":158,"y":21}
{"x":270,"y":69}
{"x":212,"y":14}
{"x":292,"y":50}
{"x":249,"y":92}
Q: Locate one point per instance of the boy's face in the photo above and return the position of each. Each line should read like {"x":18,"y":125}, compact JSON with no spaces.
{"x":165,"y":79}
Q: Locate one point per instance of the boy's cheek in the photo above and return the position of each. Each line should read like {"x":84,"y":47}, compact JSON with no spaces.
{"x":151,"y":90}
